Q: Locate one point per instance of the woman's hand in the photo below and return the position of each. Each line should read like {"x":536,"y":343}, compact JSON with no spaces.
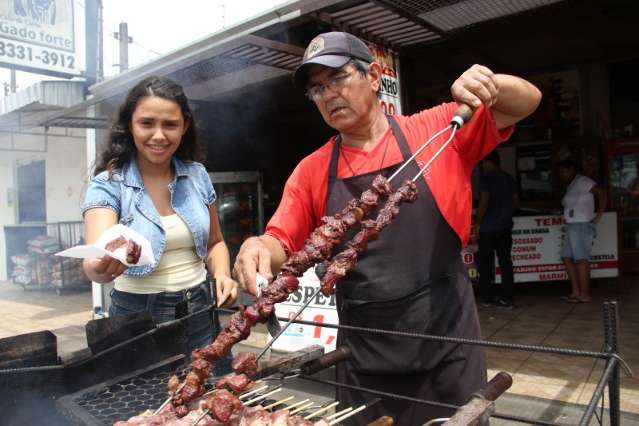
{"x":103,"y":269}
{"x":226,"y":290}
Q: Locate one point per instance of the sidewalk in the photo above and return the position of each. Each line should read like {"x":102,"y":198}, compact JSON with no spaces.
{"x":37,"y":310}
{"x":541,"y":318}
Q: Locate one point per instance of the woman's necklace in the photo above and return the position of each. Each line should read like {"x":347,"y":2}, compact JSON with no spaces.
{"x":348,"y":164}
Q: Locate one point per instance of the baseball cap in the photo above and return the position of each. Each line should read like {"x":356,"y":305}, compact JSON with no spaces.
{"x":332,"y":50}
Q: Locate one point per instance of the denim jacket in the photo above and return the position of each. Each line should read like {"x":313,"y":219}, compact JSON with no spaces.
{"x":123,"y":192}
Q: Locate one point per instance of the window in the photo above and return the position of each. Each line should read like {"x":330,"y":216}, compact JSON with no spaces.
{"x":30,"y":187}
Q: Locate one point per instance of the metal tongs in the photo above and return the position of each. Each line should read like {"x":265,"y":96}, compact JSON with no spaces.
{"x":462,"y":116}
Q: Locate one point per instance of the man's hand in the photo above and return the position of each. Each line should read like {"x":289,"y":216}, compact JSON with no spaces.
{"x":254,"y":256}
{"x":226,"y":290}
{"x":475,"y":86}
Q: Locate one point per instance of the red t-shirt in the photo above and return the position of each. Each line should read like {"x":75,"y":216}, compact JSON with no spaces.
{"x":448,"y":177}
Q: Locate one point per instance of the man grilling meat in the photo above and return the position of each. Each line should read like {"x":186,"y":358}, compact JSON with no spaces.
{"x":412,"y":277}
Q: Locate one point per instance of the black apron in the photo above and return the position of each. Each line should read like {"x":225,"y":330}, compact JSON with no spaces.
{"x":410,"y":279}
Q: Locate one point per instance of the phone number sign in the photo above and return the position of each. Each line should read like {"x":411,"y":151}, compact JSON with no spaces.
{"x":42,"y":37}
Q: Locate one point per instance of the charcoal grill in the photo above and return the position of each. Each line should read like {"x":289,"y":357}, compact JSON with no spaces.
{"x":129,"y":395}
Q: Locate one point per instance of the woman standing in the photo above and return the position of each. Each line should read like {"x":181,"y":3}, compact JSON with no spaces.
{"x":580,"y":229}
{"x":148,"y":179}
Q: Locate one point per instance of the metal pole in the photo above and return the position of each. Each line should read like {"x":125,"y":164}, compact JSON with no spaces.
{"x":14,"y":85}
{"x":99,"y":71}
{"x":599,"y":390}
{"x":124,"y":46}
{"x":612,"y":323}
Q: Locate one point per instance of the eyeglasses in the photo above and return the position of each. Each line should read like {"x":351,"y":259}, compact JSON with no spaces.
{"x":334,"y":83}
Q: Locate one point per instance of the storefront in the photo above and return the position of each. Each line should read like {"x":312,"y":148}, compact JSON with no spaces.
{"x":42,"y":175}
{"x":252,"y":120}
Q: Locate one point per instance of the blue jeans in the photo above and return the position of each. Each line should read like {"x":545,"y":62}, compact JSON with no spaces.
{"x":578,"y":240}
{"x":162,"y":307}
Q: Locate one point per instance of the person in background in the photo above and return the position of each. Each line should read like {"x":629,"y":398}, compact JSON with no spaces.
{"x":148,"y":178}
{"x":497,"y":202}
{"x":580,"y":229}
{"x":411,"y":277}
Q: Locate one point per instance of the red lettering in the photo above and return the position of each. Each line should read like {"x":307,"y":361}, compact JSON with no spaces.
{"x":550,"y":221}
{"x":292,"y":314}
{"x":318,"y":330}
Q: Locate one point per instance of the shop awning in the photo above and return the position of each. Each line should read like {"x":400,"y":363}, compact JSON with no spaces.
{"x":238,"y":58}
{"x":205,"y":74}
{"x":30,"y":106}
{"x":402,"y":23}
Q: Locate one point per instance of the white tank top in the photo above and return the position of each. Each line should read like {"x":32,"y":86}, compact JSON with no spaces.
{"x":179,"y":268}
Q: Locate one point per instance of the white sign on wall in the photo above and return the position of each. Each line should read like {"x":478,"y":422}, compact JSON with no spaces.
{"x":390,"y":94}
{"x":537,"y":244}
{"x":320,"y":310}
{"x":43,"y":36}
{"x":536,"y":252}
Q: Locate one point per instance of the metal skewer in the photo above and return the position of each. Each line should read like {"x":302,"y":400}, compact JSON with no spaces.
{"x":179,"y":388}
{"x":462,"y":116}
{"x":297,"y":314}
{"x":321,"y":410}
{"x":421,"y":148}
{"x":434,"y":157}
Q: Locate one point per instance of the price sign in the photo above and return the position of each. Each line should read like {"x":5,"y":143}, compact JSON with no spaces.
{"x":45,"y":36}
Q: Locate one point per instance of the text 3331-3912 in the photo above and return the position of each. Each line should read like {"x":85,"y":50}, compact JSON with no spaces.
{"x":43,"y":56}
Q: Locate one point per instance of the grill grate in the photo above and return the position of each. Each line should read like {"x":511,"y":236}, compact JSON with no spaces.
{"x":125,"y":397}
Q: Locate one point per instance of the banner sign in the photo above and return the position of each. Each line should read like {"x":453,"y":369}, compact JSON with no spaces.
{"x":537,"y":245}
{"x":45,"y":36}
{"x":390,"y":98}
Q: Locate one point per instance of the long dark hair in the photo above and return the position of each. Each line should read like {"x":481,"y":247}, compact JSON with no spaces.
{"x":120,"y":146}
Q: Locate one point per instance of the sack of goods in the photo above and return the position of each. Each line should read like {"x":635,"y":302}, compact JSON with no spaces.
{"x":43,"y":244}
